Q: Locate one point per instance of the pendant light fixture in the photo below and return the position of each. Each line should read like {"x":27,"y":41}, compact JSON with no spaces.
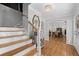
{"x":48,"y":7}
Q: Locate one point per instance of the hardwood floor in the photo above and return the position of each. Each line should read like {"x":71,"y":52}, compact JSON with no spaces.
{"x":58,"y":47}
{"x":31,"y":53}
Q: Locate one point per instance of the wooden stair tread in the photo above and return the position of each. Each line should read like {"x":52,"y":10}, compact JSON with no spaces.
{"x":12,"y":43}
{"x":7,"y":36}
{"x":13,"y":52}
{"x":31,"y":53}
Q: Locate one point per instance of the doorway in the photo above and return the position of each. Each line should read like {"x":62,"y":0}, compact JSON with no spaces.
{"x":58,"y":30}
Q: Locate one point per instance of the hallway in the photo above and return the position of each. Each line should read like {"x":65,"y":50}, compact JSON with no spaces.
{"x":25,"y":29}
{"x":57,"y":47}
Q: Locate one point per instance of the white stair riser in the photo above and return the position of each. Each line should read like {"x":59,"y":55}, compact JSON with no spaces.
{"x":11,"y":33}
{"x":10,"y":29}
{"x":12,"y":47}
{"x":11,"y":39}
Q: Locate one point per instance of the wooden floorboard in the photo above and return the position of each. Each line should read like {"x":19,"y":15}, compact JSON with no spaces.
{"x":31,"y":53}
{"x":58,"y":47}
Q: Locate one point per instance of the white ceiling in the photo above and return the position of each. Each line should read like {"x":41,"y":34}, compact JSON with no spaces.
{"x":59,"y":10}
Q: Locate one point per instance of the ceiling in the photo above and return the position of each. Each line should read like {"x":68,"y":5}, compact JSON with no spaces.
{"x":59,"y":10}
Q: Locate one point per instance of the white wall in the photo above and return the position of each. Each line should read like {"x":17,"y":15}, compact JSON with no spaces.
{"x":30,"y":16}
{"x":25,"y":19}
{"x":46,"y":29}
{"x":69,"y":36}
{"x":9,"y":17}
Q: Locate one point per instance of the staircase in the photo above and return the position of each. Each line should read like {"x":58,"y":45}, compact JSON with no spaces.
{"x":13,"y":42}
